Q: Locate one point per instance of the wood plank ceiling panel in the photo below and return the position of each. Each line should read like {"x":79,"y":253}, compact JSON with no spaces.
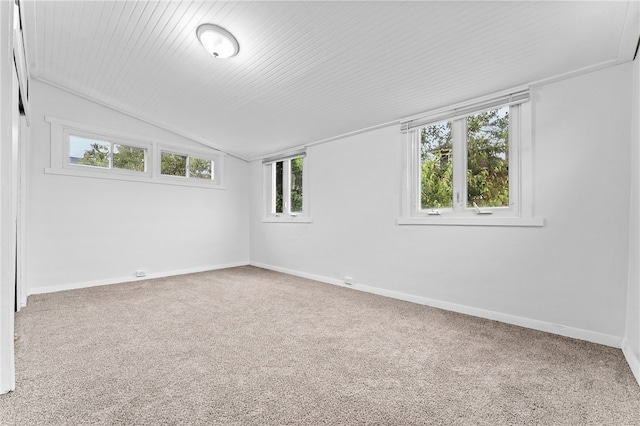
{"x":308,"y":70}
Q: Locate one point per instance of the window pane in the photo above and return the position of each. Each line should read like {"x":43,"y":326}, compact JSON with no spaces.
{"x":128,"y":158}
{"x":488,"y":158}
{"x":200,"y":168}
{"x":173,"y":164}
{"x":436,"y":166}
{"x":296,"y":184}
{"x":278,"y":170}
{"x":89,"y":152}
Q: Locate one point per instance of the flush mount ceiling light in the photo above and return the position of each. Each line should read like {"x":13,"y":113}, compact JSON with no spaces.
{"x":219,"y":42}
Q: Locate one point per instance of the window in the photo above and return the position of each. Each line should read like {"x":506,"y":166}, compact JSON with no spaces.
{"x":286,"y":199}
{"x":93,"y":151}
{"x":185,"y":165}
{"x":192,"y":168}
{"x":129,"y":158}
{"x":201,"y":168}
{"x":287,"y":183}
{"x":466,"y":165}
{"x":485,"y":181}
{"x":173,"y":164}
{"x":89,"y":151}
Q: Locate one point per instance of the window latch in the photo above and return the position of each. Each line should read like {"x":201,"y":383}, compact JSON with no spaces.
{"x":478,"y":211}
{"x":433,"y":212}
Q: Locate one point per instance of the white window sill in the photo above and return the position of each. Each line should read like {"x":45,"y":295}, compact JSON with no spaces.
{"x":286,"y":219}
{"x":108,"y":174}
{"x":473,"y":221}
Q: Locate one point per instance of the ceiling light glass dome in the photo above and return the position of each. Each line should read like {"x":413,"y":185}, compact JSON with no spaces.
{"x":219,"y":42}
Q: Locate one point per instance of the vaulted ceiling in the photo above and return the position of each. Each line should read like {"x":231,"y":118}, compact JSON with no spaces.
{"x":311,"y":70}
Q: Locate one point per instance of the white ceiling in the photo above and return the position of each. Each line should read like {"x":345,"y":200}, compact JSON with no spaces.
{"x":311,"y":70}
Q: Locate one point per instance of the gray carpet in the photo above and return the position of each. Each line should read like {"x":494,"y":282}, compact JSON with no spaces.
{"x":245,"y":346}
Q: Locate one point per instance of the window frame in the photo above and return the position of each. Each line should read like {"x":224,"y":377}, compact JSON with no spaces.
{"x":269,"y":196}
{"x":520,"y":210}
{"x":216,"y":168}
{"x":60,"y":164}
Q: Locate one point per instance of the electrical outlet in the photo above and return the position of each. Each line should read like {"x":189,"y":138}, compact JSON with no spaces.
{"x":140,"y":273}
{"x":348,"y":280}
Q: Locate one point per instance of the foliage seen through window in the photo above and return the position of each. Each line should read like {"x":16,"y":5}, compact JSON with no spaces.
{"x":487,"y":173}
{"x":173,"y":164}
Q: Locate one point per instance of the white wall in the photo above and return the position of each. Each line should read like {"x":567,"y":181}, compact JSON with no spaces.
{"x":631,"y":345}
{"x":86,"y":231}
{"x":571,"y":273}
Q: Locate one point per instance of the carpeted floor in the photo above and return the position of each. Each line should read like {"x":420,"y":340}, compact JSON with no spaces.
{"x":246,"y":346}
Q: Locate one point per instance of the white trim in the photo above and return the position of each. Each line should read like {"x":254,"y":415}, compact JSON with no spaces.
{"x":23,"y":20}
{"x":629,"y":37}
{"x":562,"y":330}
{"x":21,"y":275}
{"x":125,"y":136}
{"x":320,"y":278}
{"x":567,"y":75}
{"x":330,"y":139}
{"x":575,"y":73}
{"x":287,"y":219}
{"x":131,"y":278}
{"x":21,"y":70}
{"x":59,"y":161}
{"x":159,"y":126}
{"x":100,"y":174}
{"x":560,"y":77}
{"x":285,"y":156}
{"x":8,"y":109}
{"x":464,"y":109}
{"x":526,"y":157}
{"x":632,"y":359}
{"x":473,"y":221}
{"x":459,"y":163}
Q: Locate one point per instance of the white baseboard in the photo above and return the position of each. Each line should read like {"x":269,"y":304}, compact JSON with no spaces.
{"x":632,"y":359}
{"x":562,"y":330}
{"x":573,"y":332}
{"x":320,"y":278}
{"x":119,"y":280}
